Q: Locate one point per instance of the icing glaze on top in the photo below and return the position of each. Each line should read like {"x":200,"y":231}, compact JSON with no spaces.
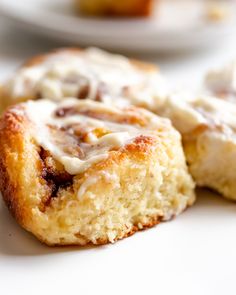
{"x":90,"y":73}
{"x":79,"y":133}
{"x":187,"y":113}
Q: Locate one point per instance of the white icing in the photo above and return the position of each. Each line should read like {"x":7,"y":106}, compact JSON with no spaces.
{"x":42,"y":114}
{"x":111,"y":177}
{"x":187,"y":113}
{"x":65,"y":73}
{"x":74,"y":165}
{"x":86,"y":184}
{"x":91,"y":180}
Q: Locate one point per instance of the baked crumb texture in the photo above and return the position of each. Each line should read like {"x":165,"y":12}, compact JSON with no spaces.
{"x":140,"y":182}
{"x":121,"y":8}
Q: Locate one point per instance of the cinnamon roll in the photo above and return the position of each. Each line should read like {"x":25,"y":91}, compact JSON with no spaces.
{"x":90,"y":73}
{"x":110,"y":8}
{"x":80,"y":172}
{"x":208,"y":128}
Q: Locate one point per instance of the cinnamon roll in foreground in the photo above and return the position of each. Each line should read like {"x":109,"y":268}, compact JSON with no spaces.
{"x":79,"y":172}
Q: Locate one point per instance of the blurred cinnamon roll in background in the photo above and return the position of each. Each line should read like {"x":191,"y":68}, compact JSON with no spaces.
{"x":115,"y":8}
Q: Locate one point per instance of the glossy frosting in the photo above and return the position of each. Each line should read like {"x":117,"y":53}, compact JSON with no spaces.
{"x":80,"y":133}
{"x":90,"y":73}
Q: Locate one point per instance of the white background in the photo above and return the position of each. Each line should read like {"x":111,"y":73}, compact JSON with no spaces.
{"x":193,"y":254}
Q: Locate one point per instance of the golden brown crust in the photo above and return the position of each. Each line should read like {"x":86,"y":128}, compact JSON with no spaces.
{"x":154,"y":221}
{"x":37,"y":206}
{"x":13,"y":129}
{"x":14,"y":148}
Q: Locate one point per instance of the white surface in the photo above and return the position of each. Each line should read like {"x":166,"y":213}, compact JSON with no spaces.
{"x":175,"y":25}
{"x":193,"y":254}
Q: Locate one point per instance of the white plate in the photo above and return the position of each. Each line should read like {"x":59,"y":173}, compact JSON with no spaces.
{"x":175,"y":25}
